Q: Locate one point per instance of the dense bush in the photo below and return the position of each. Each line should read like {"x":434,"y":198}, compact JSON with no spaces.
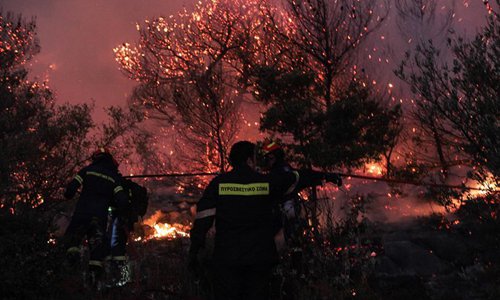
{"x":31,"y":262}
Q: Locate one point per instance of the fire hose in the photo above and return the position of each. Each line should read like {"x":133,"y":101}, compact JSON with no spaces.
{"x":388,"y":180}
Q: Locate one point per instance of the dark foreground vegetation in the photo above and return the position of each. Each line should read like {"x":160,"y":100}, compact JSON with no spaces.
{"x":435,"y":257}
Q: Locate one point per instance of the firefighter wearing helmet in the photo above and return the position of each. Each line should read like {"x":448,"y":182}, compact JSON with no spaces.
{"x":289,"y":206}
{"x":275,"y":164}
{"x":240,"y":203}
{"x":101,"y":184}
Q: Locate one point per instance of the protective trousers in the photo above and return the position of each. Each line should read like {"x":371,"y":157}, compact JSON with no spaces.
{"x":118,"y":235}
{"x":93,"y":228}
{"x":242,"y":282}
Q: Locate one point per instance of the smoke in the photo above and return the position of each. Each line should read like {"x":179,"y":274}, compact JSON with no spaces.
{"x":379,"y":202}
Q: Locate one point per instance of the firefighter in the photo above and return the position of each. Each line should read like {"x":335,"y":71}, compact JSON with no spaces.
{"x":241,"y":204}
{"x":101,"y":184}
{"x":288,"y":212}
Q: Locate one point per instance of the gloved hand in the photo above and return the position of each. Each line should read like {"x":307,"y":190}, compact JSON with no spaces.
{"x":288,"y":209}
{"x":334,"y":178}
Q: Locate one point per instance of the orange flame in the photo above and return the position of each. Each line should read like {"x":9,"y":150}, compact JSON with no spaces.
{"x":163,"y":230}
{"x":170,"y":231}
{"x":488,"y":185}
{"x":374,"y":168}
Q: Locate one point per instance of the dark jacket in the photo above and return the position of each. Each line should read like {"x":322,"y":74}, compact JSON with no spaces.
{"x":241,"y":203}
{"x":101,"y":184}
{"x":302,"y":178}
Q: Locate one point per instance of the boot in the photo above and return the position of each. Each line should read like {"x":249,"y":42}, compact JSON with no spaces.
{"x":73,"y":257}
{"x":95,"y":277}
{"x":119,"y":273}
{"x":124,"y":273}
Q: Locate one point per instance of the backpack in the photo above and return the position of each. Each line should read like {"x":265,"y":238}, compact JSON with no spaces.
{"x":139,"y":199}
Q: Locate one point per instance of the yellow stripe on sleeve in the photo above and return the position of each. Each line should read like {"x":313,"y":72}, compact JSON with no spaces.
{"x":79,"y":179}
{"x":118,"y":189}
{"x":206,"y":213}
{"x":103,"y":176}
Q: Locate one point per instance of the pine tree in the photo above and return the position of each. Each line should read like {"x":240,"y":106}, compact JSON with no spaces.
{"x":461,"y":100}
{"x":316,"y":99}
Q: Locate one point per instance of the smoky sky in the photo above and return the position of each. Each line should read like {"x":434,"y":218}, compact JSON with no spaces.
{"x":77,"y":38}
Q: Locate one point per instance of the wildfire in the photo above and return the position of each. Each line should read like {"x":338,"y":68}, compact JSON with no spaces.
{"x":488,"y":185}
{"x":165,"y":231}
{"x":374,"y":168}
{"x":154,"y":228}
{"x":170,"y":231}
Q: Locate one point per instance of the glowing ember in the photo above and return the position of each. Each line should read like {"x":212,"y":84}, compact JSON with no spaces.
{"x":374,"y":168}
{"x":170,"y":231}
{"x":488,"y":185}
{"x":165,"y":231}
{"x":155,"y":227}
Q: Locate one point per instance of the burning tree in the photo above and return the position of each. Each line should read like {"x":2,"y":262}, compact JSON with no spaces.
{"x":418,"y":22}
{"x":188,"y":75}
{"x":313,"y":88}
{"x":326,"y":35}
{"x":461,"y":101}
{"x":315,"y":96}
{"x":37,"y":135}
{"x":356,"y":128}
{"x":191,"y":68}
{"x":42,"y":145}
{"x":40,"y":148}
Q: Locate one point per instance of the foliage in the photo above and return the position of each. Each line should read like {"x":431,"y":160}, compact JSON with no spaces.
{"x":42,"y":143}
{"x":482,"y":209}
{"x":312,"y":97}
{"x":358,"y":127}
{"x":31,"y":266}
{"x":323,"y":37}
{"x":354,"y":129}
{"x":36,"y":135}
{"x":338,"y":263}
{"x":460,"y":103}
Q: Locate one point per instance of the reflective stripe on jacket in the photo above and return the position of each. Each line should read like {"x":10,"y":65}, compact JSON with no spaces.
{"x":241,"y":202}
{"x":101,"y":184}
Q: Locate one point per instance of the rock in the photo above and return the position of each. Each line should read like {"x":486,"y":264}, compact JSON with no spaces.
{"x":413,"y":259}
{"x":386,"y":266}
{"x":400,"y":287}
{"x":447,"y":247}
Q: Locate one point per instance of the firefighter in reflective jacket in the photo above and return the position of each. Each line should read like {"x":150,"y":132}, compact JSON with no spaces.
{"x":241,"y":204}
{"x":289,"y":206}
{"x":101,"y":183}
